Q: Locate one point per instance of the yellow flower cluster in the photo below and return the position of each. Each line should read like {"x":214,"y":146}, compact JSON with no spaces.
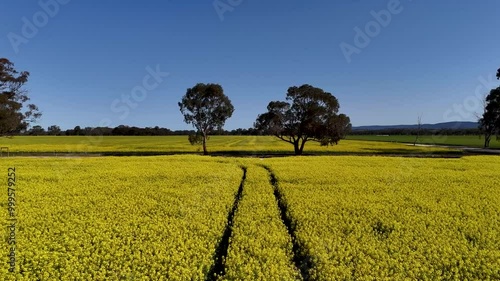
{"x":131,"y":218}
{"x":383,"y":218}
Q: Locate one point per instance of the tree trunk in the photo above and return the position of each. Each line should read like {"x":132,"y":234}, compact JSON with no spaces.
{"x":205,"y":152}
{"x":487,"y":138}
{"x":297,"y":149}
{"x":419,"y":127}
{"x":302,"y":146}
{"x":416,"y":138}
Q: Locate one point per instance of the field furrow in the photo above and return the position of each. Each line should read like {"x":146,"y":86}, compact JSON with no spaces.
{"x":301,"y":257}
{"x":260,"y":248}
{"x":378,"y":218}
{"x":218,"y":268}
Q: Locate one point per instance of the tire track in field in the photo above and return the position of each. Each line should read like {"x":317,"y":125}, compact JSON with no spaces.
{"x":301,"y":257}
{"x":218,"y":269}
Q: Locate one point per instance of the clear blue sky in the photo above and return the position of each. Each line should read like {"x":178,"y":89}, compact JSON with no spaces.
{"x":86,"y":54}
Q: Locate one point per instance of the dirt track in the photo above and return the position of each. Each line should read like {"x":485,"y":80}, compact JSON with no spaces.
{"x":472,"y":150}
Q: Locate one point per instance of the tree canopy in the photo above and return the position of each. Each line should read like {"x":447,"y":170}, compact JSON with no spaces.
{"x":207,"y":108}
{"x":308,"y":114}
{"x":54,"y":130}
{"x":15,"y":112}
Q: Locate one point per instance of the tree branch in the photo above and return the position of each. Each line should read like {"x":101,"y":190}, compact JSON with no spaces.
{"x":283,"y":139}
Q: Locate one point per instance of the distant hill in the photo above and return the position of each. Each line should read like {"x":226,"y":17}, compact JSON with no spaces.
{"x":439,"y":126}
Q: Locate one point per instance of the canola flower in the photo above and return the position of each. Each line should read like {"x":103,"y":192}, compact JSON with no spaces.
{"x":161,"y":218}
{"x":381,"y":218}
{"x":131,"y":218}
{"x":260,"y":247}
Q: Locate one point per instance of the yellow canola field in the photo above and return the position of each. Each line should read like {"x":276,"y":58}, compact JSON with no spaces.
{"x":260,"y":248}
{"x":23,"y":145}
{"x":131,"y":218}
{"x":379,"y":218}
{"x":163,"y":218}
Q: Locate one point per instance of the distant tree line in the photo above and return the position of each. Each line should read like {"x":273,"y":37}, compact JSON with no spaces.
{"x":124,"y":130}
